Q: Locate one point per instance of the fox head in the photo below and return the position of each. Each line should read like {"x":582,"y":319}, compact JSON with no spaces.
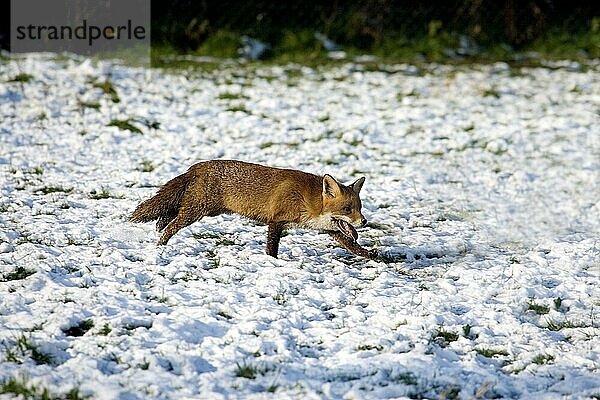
{"x":341,"y":206}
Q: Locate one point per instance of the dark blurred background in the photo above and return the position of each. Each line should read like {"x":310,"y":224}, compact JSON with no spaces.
{"x":186,"y":25}
{"x":365,"y":23}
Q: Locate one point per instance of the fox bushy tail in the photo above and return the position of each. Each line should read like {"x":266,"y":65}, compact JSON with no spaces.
{"x":165,"y":205}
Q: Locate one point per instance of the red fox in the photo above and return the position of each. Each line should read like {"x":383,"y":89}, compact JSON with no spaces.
{"x":277,"y":197}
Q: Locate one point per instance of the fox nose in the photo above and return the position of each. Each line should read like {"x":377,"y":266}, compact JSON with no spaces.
{"x":363,"y":222}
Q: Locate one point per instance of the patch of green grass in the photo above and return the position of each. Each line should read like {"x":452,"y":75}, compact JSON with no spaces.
{"x":103,"y":194}
{"x":556,"y":326}
{"x":406,"y":378}
{"x":238,"y":107}
{"x":89,"y":104}
{"x":537,"y":308}
{"x":437,"y":43}
{"x":246,"y":370}
{"x":21,"y":389}
{"x":27,"y":237}
{"x":150,"y":124}
{"x":369,"y":347}
{"x":225,"y":315}
{"x":21,"y":78}
{"x":490,"y":353}
{"x":466,"y":330}
{"x":557,"y":303}
{"x":105,"y":330}
{"x":490,"y":92}
{"x":266,"y":145}
{"x":12,"y":354}
{"x":163,"y":298}
{"x":542,"y":359}
{"x":18,"y":274}
{"x":146,"y":166}
{"x":298,"y":45}
{"x":451,"y":392}
{"x":54,"y":189}
{"x":221,"y":44}
{"x":24,"y":347}
{"x":80,"y":329}
{"x":559,"y":44}
{"x":431,"y":47}
{"x":220,"y":239}
{"x":231,"y":96}
{"x":39,"y":357}
{"x":215,"y":261}
{"x":168,"y":57}
{"x":412,"y":129}
{"x":107,"y":88}
{"x":114,"y":358}
{"x":41,"y":117}
{"x":225,"y":242}
{"x":36,"y":327}
{"x":280,"y":298}
{"x":444,"y":337}
{"x":206,"y":235}
{"x":272,"y":388}
{"x":125,"y":125}
{"x":39,"y":170}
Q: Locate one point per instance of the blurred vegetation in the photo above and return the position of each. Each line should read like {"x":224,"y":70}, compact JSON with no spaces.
{"x":393,"y":30}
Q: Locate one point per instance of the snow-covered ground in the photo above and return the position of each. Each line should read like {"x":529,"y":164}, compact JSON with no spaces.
{"x":482,"y":191}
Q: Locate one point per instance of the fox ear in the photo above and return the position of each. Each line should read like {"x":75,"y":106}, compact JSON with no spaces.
{"x":358,"y":184}
{"x":331,"y":187}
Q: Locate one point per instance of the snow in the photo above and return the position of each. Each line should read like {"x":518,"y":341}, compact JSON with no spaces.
{"x":482,"y":191}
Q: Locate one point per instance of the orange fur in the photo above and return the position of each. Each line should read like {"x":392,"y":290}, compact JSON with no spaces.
{"x":275,"y":196}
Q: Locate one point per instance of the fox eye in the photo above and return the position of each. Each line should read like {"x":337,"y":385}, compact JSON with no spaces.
{"x":347,"y":209}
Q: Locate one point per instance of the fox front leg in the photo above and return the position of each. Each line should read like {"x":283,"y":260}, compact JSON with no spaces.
{"x":273,"y":237}
{"x":353,"y":246}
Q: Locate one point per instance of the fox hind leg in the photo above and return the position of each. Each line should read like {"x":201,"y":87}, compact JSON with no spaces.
{"x":195,"y":204}
{"x":184,"y":218}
